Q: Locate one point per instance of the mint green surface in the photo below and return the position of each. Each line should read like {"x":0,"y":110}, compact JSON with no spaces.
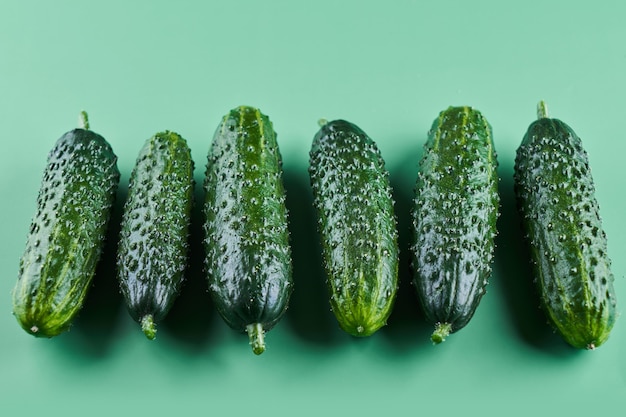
{"x":139,"y":67}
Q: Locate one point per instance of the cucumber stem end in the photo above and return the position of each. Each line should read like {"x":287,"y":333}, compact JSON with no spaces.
{"x":442,"y":330}
{"x":542,"y":110}
{"x":148,"y":326}
{"x":257,"y":337}
{"x":84,"y":120}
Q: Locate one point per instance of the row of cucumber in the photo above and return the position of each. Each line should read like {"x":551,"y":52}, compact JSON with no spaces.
{"x":246,"y":236}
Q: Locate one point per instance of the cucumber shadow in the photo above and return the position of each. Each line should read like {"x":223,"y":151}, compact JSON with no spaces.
{"x":189,"y":322}
{"x":407,"y":329}
{"x":309,"y":313}
{"x":96,"y":325}
{"x":513,"y":270}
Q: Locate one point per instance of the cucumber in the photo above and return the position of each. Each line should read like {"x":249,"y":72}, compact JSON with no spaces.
{"x":67,"y":232}
{"x":152,"y":252}
{"x":357,"y":225}
{"x":248,"y":252}
{"x":561,"y":221}
{"x":454,"y":219}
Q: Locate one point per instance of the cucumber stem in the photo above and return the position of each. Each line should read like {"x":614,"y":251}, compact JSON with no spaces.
{"x":84,"y":120}
{"x":542,"y":110}
{"x":257,"y":337}
{"x":148,"y":326}
{"x":322,"y":122}
{"x":442,"y":330}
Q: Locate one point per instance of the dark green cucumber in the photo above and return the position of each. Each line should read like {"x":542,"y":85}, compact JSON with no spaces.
{"x":356,"y":221}
{"x":454,"y":219}
{"x":152,"y":253}
{"x":560,"y":216}
{"x":67,"y":232}
{"x":248,"y":253}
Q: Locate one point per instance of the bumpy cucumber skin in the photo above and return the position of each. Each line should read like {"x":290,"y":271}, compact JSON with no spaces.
{"x":560,"y":216}
{"x":153,"y":246}
{"x":248,"y":253}
{"x":67,"y":233}
{"x":454,"y":218}
{"x":357,"y":225}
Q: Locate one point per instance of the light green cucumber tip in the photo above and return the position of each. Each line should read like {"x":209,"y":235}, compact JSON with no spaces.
{"x":542,"y":110}
{"x":148,"y":326}
{"x":322,"y":122}
{"x":442,"y":330}
{"x":257,"y":337}
{"x":83,"y":120}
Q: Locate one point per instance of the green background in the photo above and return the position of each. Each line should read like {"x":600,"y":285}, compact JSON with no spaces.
{"x":139,"y":67}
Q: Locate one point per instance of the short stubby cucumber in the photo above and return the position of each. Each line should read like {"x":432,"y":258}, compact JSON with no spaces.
{"x":561,"y":220}
{"x":454,"y":218}
{"x":152,"y":251}
{"x":248,"y":252}
{"x":67,"y":232}
{"x":356,"y":221}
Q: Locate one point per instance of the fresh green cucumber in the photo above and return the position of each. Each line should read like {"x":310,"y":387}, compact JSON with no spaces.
{"x":67,"y":232}
{"x":560,"y":216}
{"x":357,"y":225}
{"x":454,"y":219}
{"x":248,"y":253}
{"x":152,"y":252}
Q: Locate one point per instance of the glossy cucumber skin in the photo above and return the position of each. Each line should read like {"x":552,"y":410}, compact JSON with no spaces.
{"x":454,"y":218}
{"x":67,"y":232}
{"x":153,"y":246}
{"x":248,"y":253}
{"x":560,"y":216}
{"x":357,"y":226}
